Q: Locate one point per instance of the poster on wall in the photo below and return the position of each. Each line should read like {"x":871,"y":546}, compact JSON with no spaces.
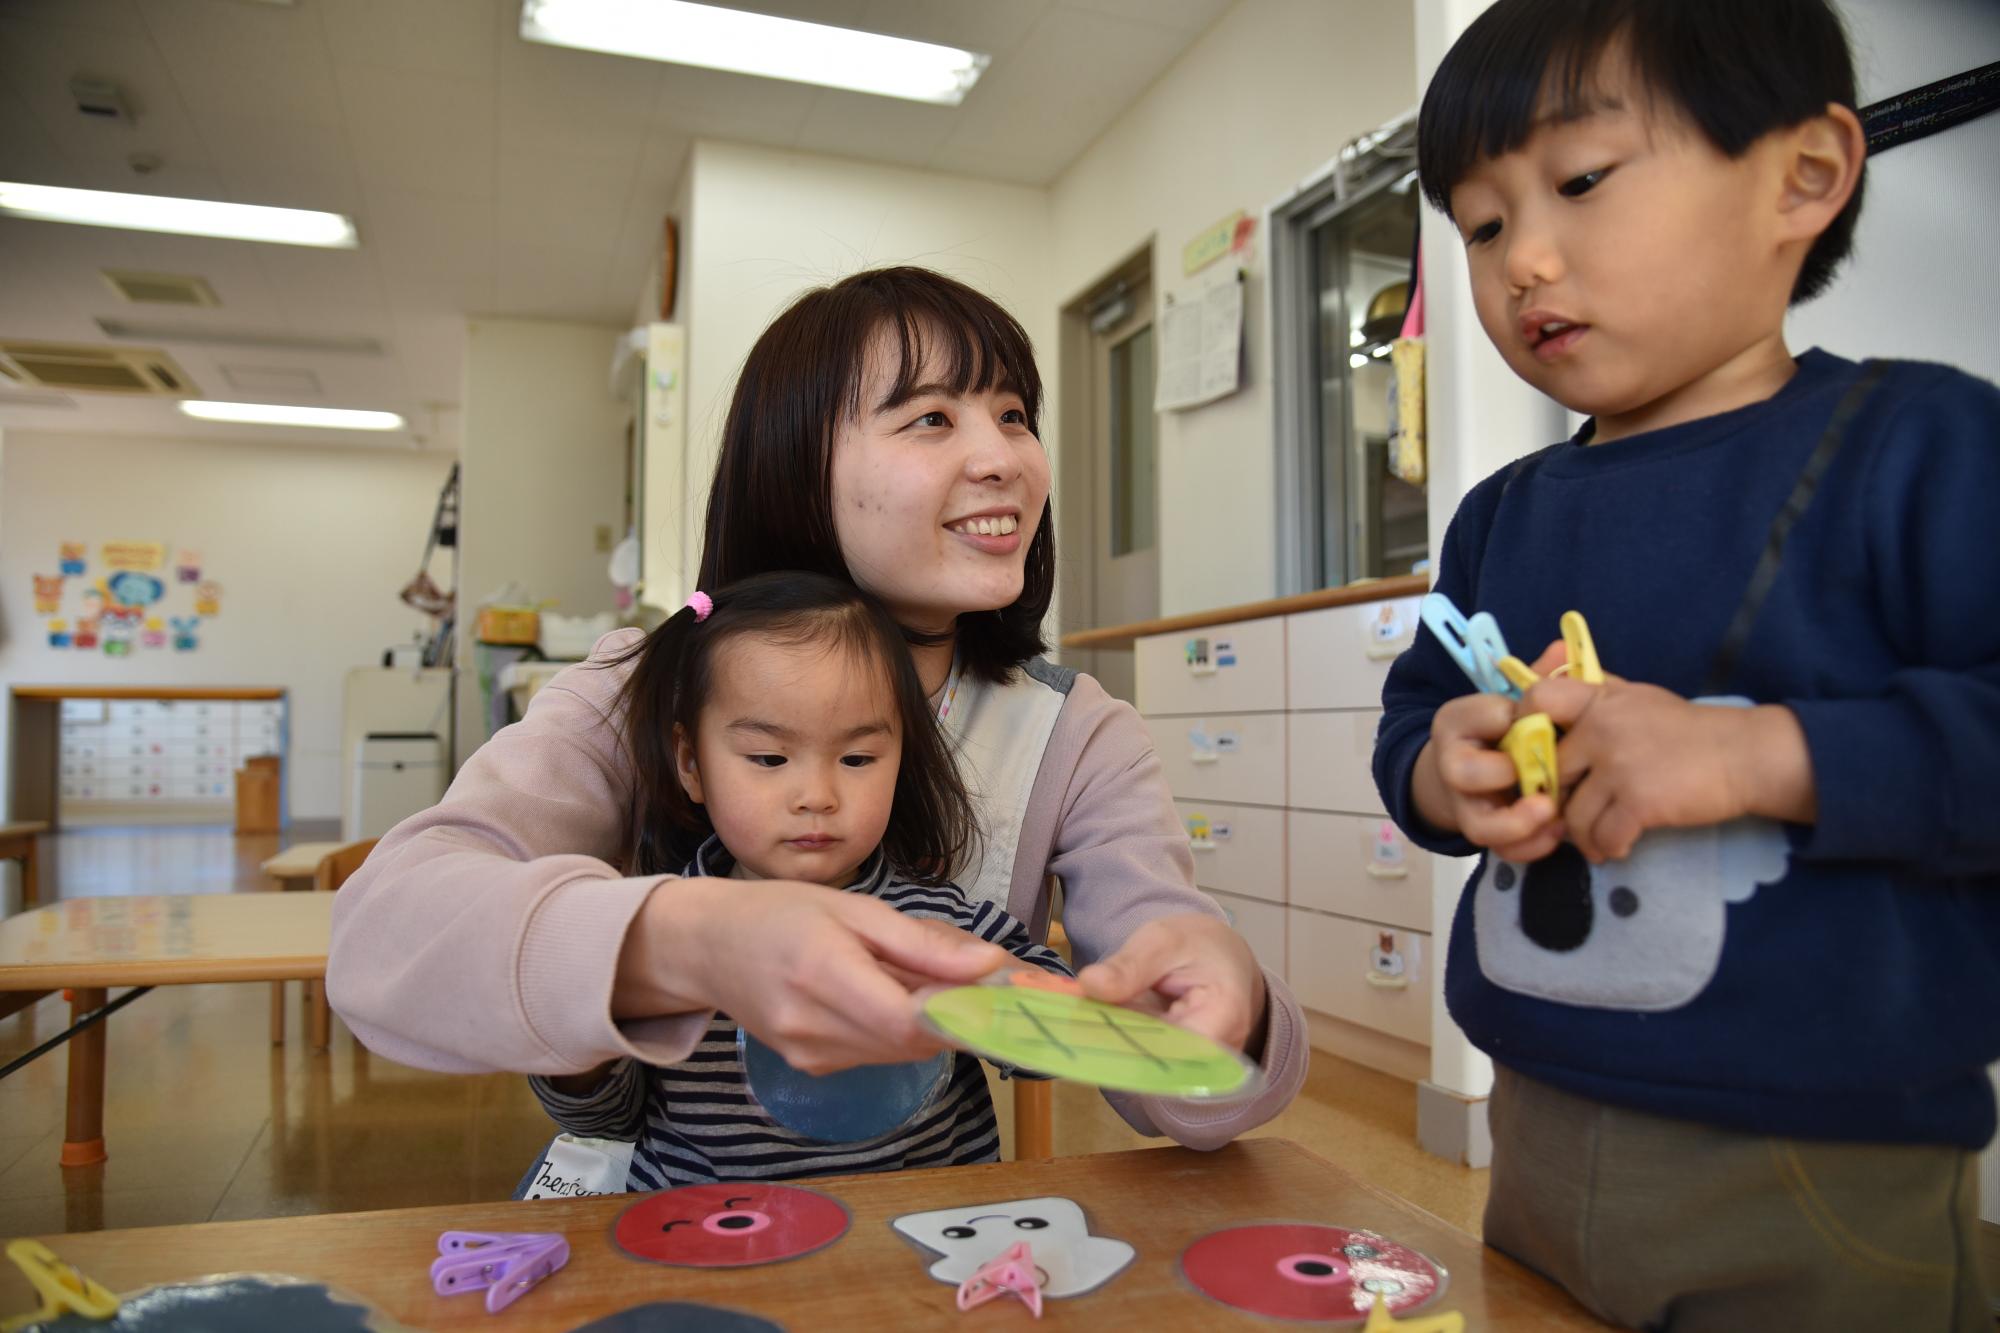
{"x":128,"y":604}
{"x":142,"y":556}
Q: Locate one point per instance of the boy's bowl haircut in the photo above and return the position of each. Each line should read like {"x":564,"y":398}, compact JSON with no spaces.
{"x":1736,"y":70}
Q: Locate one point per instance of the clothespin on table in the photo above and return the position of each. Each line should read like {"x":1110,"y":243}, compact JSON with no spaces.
{"x":1381,"y":1321}
{"x":62,"y":1288}
{"x":1011,"y":1272}
{"x":503,"y":1264}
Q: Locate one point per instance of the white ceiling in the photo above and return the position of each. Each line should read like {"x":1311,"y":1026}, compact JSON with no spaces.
{"x":486,"y":175}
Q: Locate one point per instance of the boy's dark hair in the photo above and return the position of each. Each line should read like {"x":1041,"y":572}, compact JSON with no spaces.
{"x":771,"y":504}
{"x":931,"y":822}
{"x":1738,"y":69}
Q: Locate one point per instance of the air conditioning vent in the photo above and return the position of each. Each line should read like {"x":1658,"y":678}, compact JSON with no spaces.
{"x":161,"y":288}
{"x":131,"y":370}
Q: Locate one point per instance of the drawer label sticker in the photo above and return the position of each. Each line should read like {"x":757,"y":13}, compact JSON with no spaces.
{"x":1395,"y":961}
{"x":1388,"y":632}
{"x":1200,"y":661}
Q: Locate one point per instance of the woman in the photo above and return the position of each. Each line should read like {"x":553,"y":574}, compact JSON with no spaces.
{"x":883,"y":430}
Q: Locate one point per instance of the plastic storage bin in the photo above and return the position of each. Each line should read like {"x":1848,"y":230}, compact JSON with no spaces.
{"x":396,"y":774}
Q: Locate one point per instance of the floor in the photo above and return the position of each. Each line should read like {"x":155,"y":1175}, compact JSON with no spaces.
{"x":207,"y":1121}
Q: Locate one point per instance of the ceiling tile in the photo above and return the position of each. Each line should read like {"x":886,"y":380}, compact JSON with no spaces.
{"x":451,"y":37}
{"x":38,"y":60}
{"x":1188,"y":16}
{"x":707,"y":102}
{"x":416,"y":132}
{"x":327,"y":291}
{"x":553,"y":282}
{"x":486,"y":175}
{"x":109,"y":14}
{"x":883,"y":129}
{"x":991,"y":27}
{"x":1069,"y":80}
{"x":434,"y":252}
{"x":27,"y":153}
{"x":235,"y":59}
{"x":287,"y":164}
{"x":552,"y":200}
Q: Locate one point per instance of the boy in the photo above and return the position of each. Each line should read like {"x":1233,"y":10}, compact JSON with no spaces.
{"x":1740,"y":987}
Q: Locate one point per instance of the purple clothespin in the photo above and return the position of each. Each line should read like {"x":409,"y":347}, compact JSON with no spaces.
{"x":1011,"y":1272}
{"x":504,"y":1264}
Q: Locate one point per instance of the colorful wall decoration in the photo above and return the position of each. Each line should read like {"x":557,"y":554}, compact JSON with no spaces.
{"x":126,"y":607}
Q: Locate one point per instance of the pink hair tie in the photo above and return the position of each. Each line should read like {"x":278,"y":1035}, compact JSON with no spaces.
{"x":704,"y":606}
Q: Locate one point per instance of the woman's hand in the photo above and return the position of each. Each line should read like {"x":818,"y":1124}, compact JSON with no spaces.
{"x":821,"y":976}
{"x":1192,"y":969}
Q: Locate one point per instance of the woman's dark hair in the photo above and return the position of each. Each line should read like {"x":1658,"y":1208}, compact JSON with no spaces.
{"x":771,"y":504}
{"x":1738,"y":69}
{"x":930,"y":817}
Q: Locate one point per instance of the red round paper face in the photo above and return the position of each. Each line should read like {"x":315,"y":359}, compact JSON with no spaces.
{"x":731,"y":1225}
{"x":1298,"y":1271}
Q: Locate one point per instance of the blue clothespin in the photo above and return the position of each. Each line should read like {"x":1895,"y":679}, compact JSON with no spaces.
{"x":1476,"y":644}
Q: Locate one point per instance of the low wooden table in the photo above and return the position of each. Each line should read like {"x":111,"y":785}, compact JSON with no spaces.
{"x":90,"y":944}
{"x":1158,"y":1199}
{"x":17,"y":843}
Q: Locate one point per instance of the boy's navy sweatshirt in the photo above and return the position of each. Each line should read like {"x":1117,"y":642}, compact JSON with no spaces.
{"x":1839,"y":980}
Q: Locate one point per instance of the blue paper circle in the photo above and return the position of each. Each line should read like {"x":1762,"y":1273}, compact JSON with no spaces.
{"x":851,"y":1106}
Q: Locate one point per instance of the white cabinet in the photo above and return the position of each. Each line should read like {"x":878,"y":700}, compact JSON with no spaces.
{"x":159,"y":759}
{"x":1237,"y":757}
{"x":1236,"y":668}
{"x":1238,"y":849}
{"x":1362,"y":971}
{"x":1266,"y":732}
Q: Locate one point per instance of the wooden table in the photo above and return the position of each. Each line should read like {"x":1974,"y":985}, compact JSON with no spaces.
{"x":1159,"y":1199}
{"x":18,"y":843}
{"x":90,"y":944}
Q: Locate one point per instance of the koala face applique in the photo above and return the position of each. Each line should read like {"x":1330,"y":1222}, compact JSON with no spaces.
{"x":1641,"y":934}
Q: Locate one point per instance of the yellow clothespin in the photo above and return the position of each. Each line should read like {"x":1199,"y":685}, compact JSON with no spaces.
{"x":1531,"y":744}
{"x":1583,"y":662}
{"x":1518,"y":672}
{"x":1381,"y":1321}
{"x":63,"y":1289}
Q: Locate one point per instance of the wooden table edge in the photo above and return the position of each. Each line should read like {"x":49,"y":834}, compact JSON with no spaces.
{"x":151,"y":972}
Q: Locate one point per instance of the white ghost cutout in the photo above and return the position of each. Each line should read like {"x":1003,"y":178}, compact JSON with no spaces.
{"x":1642,"y":934}
{"x":1072,"y":1261}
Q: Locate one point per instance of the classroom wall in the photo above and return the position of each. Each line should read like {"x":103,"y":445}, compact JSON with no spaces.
{"x":1263,"y":100}
{"x":310,"y":545}
{"x":763,"y":225}
{"x":544,"y":465}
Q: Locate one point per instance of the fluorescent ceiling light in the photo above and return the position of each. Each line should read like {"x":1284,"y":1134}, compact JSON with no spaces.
{"x":183,"y":217}
{"x":275,"y":414}
{"x":775,"y":48}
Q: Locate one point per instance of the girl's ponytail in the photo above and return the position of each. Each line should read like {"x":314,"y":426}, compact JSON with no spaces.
{"x":663,"y":838}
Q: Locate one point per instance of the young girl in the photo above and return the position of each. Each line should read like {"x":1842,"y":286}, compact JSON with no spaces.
{"x":882,"y":432}
{"x":804,"y":749}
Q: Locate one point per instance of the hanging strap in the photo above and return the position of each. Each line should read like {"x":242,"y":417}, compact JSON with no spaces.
{"x":1933,"y":108}
{"x":1723,"y":667}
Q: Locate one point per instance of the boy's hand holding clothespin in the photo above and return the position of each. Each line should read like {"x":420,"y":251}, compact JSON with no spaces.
{"x":1635,"y":756}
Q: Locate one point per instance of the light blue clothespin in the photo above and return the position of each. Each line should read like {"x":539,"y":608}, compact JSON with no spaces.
{"x":1476,"y":644}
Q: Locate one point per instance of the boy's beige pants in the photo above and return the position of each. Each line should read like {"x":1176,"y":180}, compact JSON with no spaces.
{"x":1668,"y":1224}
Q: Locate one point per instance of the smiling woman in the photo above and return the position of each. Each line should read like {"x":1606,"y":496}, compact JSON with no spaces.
{"x":883,"y":432}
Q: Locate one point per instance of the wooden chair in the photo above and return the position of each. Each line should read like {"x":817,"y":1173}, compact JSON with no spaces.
{"x":18,"y":843}
{"x":1035,"y":1099}
{"x":332,"y":873}
{"x":289,"y":871}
